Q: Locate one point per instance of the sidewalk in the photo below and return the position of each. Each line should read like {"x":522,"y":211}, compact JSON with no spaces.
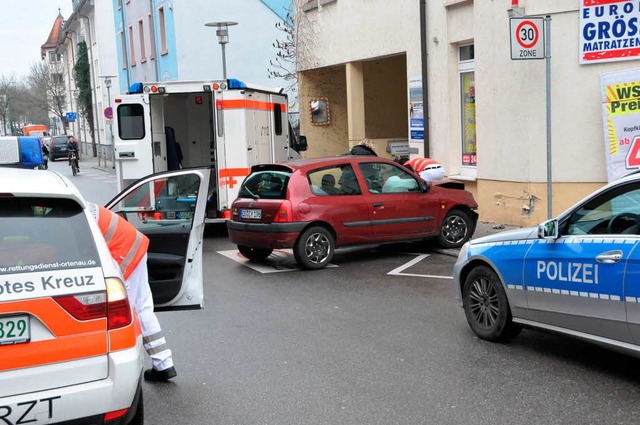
{"x":88,"y":161}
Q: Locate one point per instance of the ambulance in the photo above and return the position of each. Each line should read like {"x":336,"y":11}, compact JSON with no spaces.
{"x":71,"y":348}
{"x":223,"y":124}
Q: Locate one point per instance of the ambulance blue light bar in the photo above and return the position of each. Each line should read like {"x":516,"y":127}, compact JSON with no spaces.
{"x":236,"y":84}
{"x":135,"y":88}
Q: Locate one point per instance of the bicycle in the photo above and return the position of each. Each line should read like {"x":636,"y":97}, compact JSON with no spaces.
{"x":73,"y":162}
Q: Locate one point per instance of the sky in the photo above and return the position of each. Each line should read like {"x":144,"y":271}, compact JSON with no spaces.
{"x":25,"y":28}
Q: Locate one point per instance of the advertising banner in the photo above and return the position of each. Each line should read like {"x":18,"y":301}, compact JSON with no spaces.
{"x":621,"y":117}
{"x":609,"y":30}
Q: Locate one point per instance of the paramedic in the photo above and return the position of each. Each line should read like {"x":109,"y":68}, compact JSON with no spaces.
{"x":128,"y":248}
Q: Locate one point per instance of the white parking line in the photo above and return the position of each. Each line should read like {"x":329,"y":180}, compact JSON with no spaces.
{"x":398,"y":271}
{"x":278,"y":261}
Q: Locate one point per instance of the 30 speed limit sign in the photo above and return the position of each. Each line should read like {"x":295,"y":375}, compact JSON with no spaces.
{"x":527,"y":38}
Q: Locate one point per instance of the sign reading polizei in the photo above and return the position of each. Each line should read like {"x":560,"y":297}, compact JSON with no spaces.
{"x":609,"y":30}
{"x":527,"y":38}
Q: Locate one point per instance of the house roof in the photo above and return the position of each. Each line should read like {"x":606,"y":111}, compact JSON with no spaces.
{"x":52,"y":40}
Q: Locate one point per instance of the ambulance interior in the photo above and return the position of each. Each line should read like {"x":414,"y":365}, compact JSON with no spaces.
{"x":186,"y":119}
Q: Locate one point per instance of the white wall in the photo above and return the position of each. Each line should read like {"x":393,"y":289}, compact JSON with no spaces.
{"x":352,"y":30}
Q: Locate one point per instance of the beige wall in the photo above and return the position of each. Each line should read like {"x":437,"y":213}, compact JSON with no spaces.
{"x":524,"y":204}
{"x":331,"y":139}
{"x":385,"y":98}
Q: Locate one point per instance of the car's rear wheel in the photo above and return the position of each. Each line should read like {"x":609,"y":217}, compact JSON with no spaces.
{"x":486,"y":306}
{"x":455,"y":230}
{"x":314,"y":248}
{"x":255,"y":254}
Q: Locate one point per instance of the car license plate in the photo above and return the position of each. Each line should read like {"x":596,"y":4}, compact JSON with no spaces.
{"x":14,"y":330}
{"x":185,"y":215}
{"x":253,"y":214}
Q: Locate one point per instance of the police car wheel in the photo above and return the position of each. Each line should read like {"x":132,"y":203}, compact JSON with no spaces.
{"x":255,"y":254}
{"x":455,"y":230}
{"x":486,"y":306}
{"x":314,"y":248}
{"x":138,"y":419}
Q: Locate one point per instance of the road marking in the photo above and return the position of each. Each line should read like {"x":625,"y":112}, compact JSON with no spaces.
{"x":279,"y":261}
{"x":398,"y":271}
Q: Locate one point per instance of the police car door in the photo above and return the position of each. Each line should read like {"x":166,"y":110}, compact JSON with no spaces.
{"x":577,"y":281}
{"x":169,"y":208}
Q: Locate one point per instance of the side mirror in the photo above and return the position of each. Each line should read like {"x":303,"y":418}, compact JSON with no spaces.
{"x":425,"y":186}
{"x":548,"y":229}
{"x":301,"y":144}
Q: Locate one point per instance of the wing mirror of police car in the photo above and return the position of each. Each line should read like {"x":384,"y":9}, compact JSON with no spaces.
{"x":548,"y":229}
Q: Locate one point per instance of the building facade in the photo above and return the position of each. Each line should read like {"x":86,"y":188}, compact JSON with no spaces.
{"x":166,"y":40}
{"x":486,"y":112}
{"x":53,"y":63}
{"x":82,"y":26}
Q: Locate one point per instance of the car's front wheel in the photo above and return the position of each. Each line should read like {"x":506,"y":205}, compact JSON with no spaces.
{"x":255,"y":254}
{"x":455,"y":230}
{"x":486,"y":306}
{"x":314,"y":248}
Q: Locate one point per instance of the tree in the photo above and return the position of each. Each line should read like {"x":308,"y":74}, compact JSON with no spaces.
{"x":7,"y":89}
{"x":47,"y":90}
{"x":82,"y":72}
{"x":17,"y":106}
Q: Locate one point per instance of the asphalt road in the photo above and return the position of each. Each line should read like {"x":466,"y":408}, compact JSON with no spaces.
{"x":377,"y":339}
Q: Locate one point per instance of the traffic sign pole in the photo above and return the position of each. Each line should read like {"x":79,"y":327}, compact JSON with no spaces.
{"x":547,"y":30}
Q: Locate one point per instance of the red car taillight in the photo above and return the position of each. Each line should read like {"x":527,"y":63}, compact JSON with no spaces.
{"x":113,"y":304}
{"x":284,"y":214}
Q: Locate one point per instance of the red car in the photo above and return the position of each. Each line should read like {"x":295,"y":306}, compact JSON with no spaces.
{"x":317,"y":205}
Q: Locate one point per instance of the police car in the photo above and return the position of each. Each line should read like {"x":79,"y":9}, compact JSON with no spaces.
{"x":70,"y":344}
{"x":576,"y":274}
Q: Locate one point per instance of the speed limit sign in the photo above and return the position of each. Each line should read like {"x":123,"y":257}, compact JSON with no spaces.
{"x":527,"y":38}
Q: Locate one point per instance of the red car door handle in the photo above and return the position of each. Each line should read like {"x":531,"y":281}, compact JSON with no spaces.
{"x":378,"y":204}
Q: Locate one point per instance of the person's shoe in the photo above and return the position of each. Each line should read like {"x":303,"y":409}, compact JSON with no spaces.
{"x":154,"y":375}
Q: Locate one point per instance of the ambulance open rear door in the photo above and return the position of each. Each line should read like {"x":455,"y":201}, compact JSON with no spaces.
{"x":139,"y":138}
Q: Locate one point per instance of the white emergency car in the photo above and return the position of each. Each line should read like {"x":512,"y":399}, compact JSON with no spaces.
{"x":576,"y":274}
{"x":70,"y":345}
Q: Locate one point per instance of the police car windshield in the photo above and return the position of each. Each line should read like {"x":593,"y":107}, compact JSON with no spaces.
{"x":39,"y":234}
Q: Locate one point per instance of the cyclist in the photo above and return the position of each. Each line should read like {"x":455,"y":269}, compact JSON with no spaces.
{"x":73,"y":147}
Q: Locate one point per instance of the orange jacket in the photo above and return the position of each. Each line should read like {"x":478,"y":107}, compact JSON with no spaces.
{"x":419,"y":164}
{"x":127,"y":245}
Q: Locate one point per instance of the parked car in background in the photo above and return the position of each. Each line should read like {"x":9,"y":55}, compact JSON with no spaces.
{"x":575,"y":275}
{"x":317,"y":205}
{"x":58,"y":147}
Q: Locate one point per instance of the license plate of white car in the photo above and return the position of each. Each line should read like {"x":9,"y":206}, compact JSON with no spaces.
{"x":14,"y":330}
{"x":253,"y":214}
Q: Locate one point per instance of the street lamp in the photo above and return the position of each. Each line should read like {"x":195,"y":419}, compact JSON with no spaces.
{"x":107,"y":83}
{"x":223,"y":38}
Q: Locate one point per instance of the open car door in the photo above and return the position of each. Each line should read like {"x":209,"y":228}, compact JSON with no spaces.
{"x":169,"y":208}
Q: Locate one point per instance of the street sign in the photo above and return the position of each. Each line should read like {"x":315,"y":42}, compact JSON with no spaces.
{"x":527,"y":38}
{"x":71,"y":116}
{"x":108,"y":113}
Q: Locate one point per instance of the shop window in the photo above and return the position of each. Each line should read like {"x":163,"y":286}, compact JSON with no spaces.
{"x":467,"y":105}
